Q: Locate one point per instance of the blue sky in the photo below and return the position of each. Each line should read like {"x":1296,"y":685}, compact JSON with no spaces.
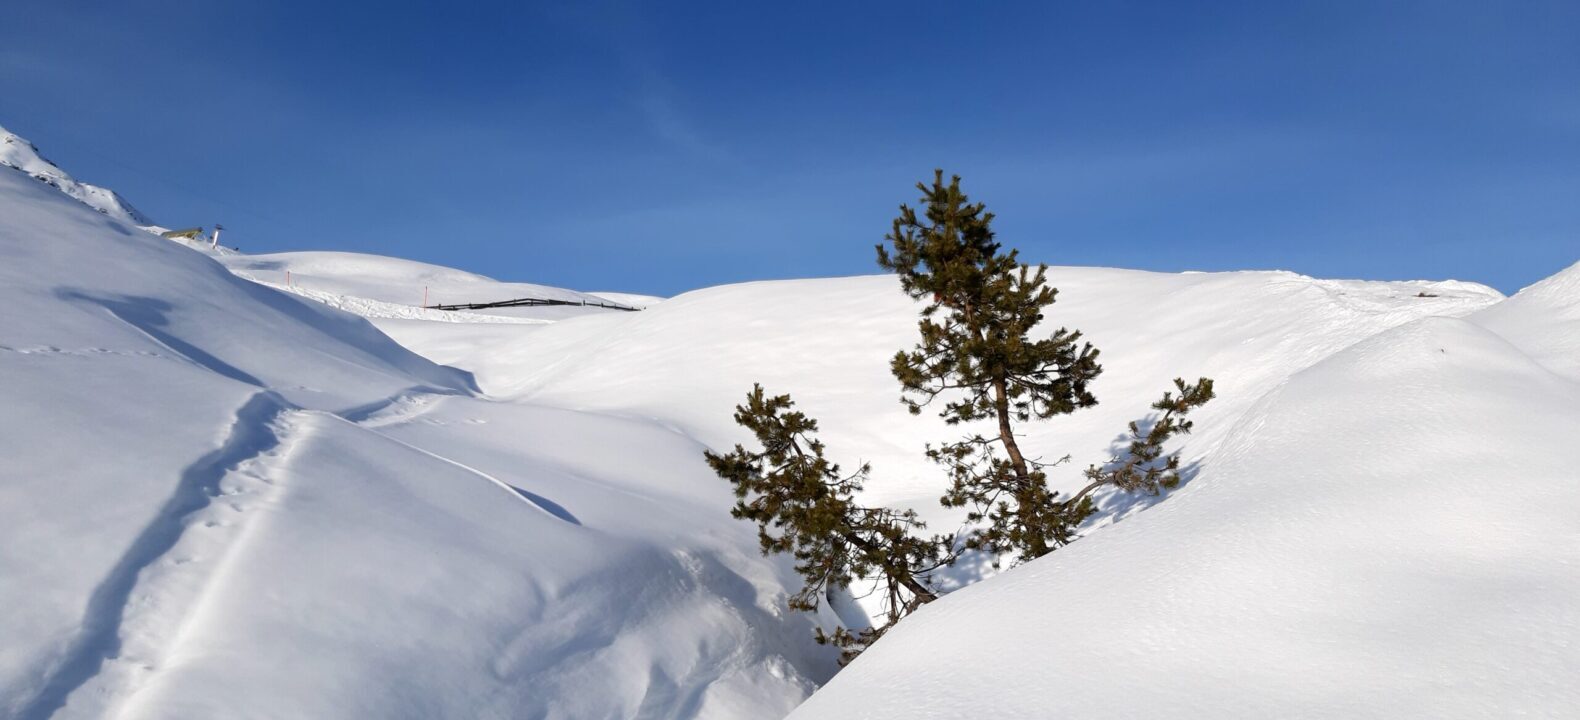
{"x":659,"y":147}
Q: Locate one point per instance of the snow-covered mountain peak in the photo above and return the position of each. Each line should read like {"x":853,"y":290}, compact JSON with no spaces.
{"x":16,"y":152}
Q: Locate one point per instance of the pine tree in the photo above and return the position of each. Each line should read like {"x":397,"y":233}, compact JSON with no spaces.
{"x":804,"y":506}
{"x":977,"y":345}
{"x":979,"y":354}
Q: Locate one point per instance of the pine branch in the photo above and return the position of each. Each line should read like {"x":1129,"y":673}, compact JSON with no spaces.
{"x":1139,"y":468}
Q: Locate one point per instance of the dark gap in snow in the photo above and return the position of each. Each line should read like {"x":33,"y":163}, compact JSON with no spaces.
{"x":547,"y":505}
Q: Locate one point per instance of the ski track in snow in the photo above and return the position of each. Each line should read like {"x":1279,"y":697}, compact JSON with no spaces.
{"x":84,"y":352}
{"x":106,"y":663}
{"x":99,"y":639}
{"x":398,"y":408}
{"x":115,"y":651}
{"x":403,"y":406}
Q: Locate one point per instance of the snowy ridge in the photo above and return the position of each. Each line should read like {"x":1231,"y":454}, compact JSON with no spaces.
{"x":18,"y":153}
{"x":1544,"y":320}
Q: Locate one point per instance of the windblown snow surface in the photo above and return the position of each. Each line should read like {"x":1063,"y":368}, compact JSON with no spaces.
{"x":218,"y":499}
{"x":1391,"y":532}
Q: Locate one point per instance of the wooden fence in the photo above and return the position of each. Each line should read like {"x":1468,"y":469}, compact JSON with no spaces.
{"x":531,"y":302}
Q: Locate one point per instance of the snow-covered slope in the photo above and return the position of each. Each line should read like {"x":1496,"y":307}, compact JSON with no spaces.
{"x":75,"y":283}
{"x":688,"y":360}
{"x":368,"y":285}
{"x":1544,"y":320}
{"x":221,"y":500}
{"x":635,"y":300}
{"x":20,"y":154}
{"x":351,"y":279}
{"x":1394,"y":532}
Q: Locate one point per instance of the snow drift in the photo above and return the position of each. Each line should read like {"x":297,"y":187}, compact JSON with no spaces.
{"x":1391,"y":533}
{"x":222,"y":500}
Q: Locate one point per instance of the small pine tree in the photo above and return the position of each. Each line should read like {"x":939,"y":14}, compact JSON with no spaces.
{"x":982,"y":306}
{"x":804,"y":506}
{"x":977,"y":345}
{"x":1143,"y":467}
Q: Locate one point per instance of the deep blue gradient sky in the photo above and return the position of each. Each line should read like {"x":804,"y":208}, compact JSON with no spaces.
{"x":659,"y":147}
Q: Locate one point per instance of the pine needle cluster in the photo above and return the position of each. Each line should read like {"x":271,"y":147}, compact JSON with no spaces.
{"x":805,"y":506}
{"x":1143,"y":467}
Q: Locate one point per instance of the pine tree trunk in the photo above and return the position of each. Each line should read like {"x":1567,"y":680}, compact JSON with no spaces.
{"x":1024,"y":497}
{"x":923,"y":595}
{"x":1006,"y":432}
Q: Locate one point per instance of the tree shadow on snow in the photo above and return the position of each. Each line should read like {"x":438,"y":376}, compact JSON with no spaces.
{"x":1114,"y":505}
{"x":971,"y":567}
